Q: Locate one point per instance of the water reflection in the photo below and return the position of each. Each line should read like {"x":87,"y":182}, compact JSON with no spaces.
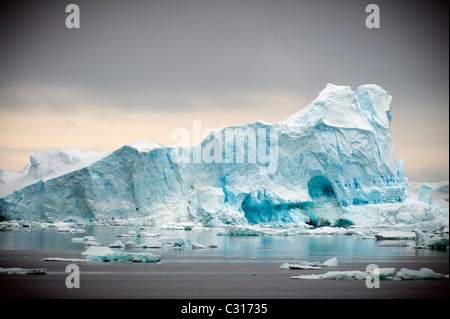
{"x":316,"y":248}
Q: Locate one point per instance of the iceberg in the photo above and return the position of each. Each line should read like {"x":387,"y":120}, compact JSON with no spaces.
{"x":333,"y":163}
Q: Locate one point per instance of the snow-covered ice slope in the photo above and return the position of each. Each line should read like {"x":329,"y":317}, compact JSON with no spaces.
{"x":332,"y":163}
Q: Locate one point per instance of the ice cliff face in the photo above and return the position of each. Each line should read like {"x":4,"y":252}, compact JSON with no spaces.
{"x":332,"y":163}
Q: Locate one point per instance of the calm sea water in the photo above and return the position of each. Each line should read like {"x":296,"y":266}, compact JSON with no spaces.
{"x":302,"y":247}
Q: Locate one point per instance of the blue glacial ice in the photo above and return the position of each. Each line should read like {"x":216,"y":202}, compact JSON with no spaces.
{"x":332,"y":163}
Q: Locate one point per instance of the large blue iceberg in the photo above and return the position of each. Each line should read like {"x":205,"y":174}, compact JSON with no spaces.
{"x":332,"y":163}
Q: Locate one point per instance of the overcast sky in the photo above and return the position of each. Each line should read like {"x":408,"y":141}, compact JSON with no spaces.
{"x":135,"y":70}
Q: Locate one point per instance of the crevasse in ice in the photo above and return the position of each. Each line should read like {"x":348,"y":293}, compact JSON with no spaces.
{"x":332,"y":163}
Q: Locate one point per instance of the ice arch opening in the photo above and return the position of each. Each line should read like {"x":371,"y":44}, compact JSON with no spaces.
{"x":325,"y":209}
{"x":320,"y":189}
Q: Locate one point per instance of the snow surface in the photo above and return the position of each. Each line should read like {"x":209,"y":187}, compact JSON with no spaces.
{"x":331,"y":164}
{"x":48,"y":165}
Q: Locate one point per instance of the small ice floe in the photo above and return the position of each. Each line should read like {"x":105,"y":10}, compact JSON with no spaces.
{"x":171,"y":227}
{"x":151,"y":242}
{"x":395,"y":235}
{"x":117,"y":244}
{"x":91,"y":241}
{"x":21,"y":271}
{"x":422,"y":274}
{"x":148,"y":234}
{"x":71,"y":230}
{"x":175,"y":243}
{"x":71,"y":260}
{"x":349,"y":274}
{"x":326,"y":230}
{"x":382,"y":273}
{"x":250,"y":230}
{"x":129,"y":244}
{"x":243,"y":231}
{"x":197,"y":246}
{"x":311,"y":265}
{"x":106,"y":254}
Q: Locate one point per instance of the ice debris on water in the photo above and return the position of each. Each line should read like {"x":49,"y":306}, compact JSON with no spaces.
{"x":422,"y":274}
{"x":395,"y":235}
{"x":382,"y":273}
{"x":106,"y":254}
{"x":117,"y":244}
{"x":311,"y":265}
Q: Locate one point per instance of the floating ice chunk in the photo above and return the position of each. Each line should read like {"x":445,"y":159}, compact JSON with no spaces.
{"x":91,"y":241}
{"x":175,"y":243}
{"x":285,"y":266}
{"x":97,"y":251}
{"x":171,"y":227}
{"x":423,"y":273}
{"x":129,"y":244}
{"x":331,"y":262}
{"x":78,"y":230}
{"x":117,"y":244}
{"x":336,"y":275}
{"x":394,"y":235}
{"x":106,"y":254}
{"x":311,"y":265}
{"x":152,"y":243}
{"x":305,"y":266}
{"x":245,"y":231}
{"x":147,"y":234}
{"x":21,"y":271}
{"x":197,"y":246}
{"x":382,"y":273}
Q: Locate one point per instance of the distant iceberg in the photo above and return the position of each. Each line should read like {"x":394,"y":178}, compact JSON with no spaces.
{"x":331,"y":164}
